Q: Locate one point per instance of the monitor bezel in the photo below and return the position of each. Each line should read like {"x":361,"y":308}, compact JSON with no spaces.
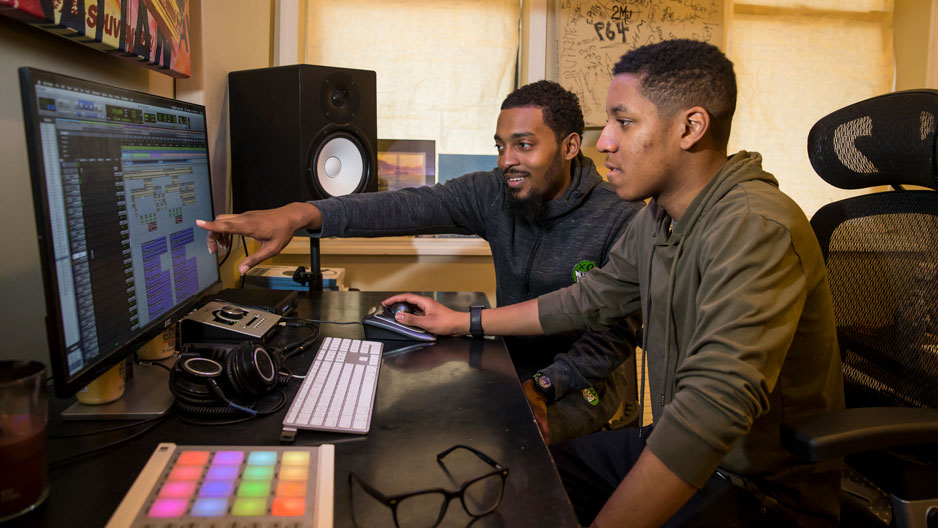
{"x":66,"y":385}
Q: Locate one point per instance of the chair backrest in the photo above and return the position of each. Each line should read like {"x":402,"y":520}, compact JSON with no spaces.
{"x":881,"y":249}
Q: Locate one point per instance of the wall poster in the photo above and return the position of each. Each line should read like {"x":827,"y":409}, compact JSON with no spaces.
{"x":153,"y":33}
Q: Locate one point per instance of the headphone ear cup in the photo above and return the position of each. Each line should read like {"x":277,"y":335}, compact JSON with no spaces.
{"x":188,"y":380}
{"x":252,"y":370}
{"x":262,"y":370}
{"x":234,"y":370}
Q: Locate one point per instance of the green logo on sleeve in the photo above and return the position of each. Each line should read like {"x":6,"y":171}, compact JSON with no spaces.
{"x":581,"y":268}
{"x":591,"y":396}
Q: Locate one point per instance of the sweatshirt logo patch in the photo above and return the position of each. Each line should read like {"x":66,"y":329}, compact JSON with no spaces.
{"x":581,"y":268}
{"x":590,"y":395}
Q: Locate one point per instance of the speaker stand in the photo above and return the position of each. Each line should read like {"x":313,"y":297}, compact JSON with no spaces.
{"x":313,"y":277}
{"x":315,"y":271}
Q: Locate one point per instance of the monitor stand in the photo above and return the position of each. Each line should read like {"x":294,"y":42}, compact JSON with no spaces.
{"x":146,"y":395}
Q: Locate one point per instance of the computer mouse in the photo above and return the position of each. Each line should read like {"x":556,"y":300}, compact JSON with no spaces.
{"x":403,"y":307}
{"x":380,"y":324}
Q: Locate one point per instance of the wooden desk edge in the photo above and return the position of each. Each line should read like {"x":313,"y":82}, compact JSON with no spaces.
{"x":405,"y":245}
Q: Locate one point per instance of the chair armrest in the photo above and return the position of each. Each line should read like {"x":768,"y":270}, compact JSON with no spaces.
{"x":850,"y":431}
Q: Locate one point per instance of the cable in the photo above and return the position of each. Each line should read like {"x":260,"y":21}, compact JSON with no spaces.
{"x":295,"y":349}
{"x":107,"y":430}
{"x":317,"y":321}
{"x":227,"y":254}
{"x":221,"y":396}
{"x":153,"y":364}
{"x":279,"y":405}
{"x":55,"y":464}
{"x":245,"y":246}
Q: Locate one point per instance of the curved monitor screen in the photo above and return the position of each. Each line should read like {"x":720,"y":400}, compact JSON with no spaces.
{"x":119,"y":178}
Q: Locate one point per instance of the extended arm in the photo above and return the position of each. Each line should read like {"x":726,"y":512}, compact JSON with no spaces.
{"x":458,"y":206}
{"x":273,"y":228}
{"x":648,"y":495}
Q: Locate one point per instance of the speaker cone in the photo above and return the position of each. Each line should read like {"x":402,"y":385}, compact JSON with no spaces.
{"x":340,"y":165}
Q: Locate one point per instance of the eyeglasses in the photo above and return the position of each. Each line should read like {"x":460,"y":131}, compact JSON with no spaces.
{"x":425,"y":509}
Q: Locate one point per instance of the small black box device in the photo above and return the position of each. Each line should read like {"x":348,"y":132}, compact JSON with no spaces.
{"x":221,"y":322}
{"x":280,"y":302}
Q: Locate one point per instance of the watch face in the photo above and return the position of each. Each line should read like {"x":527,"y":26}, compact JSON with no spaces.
{"x":543,"y":381}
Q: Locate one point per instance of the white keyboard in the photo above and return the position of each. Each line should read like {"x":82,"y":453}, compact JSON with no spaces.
{"x":338,"y":393}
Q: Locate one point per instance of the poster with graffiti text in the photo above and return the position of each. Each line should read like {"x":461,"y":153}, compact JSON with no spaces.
{"x":153,"y":33}
{"x":588,"y":36}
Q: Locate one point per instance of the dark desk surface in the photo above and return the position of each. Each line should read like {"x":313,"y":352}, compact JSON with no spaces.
{"x":458,"y":391}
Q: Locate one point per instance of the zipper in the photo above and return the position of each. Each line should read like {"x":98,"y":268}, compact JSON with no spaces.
{"x":530,"y":264}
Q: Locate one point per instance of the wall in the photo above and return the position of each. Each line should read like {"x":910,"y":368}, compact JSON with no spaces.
{"x":912,"y":19}
{"x":22,"y":297}
{"x":237,"y":35}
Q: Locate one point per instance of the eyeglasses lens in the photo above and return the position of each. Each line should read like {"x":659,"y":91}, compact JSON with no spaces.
{"x":483,"y":495}
{"x":420,"y":511}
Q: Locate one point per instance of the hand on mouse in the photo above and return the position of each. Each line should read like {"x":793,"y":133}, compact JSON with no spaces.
{"x":437,"y":318}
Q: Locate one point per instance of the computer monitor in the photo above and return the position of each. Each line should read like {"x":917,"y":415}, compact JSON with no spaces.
{"x":119,"y":178}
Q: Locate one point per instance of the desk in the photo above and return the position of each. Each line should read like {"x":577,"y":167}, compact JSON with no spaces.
{"x":459,"y":391}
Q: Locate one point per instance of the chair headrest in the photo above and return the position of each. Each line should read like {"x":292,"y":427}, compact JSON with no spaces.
{"x":886,"y":140}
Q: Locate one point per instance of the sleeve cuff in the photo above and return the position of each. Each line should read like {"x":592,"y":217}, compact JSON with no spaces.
{"x":331,"y":218}
{"x":550,"y":313}
{"x":683,"y":452}
{"x":559,"y":378}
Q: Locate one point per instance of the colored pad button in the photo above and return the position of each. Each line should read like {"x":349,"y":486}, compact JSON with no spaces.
{"x":247,"y":506}
{"x":185,"y":473}
{"x":291,"y":488}
{"x":258,"y":473}
{"x":254,"y":488}
{"x":179,"y":489}
{"x":295,"y":458}
{"x":209,"y":508}
{"x":262,"y":458}
{"x":294,"y":472}
{"x":217,"y":488}
{"x":164,"y":508}
{"x":193,"y":458}
{"x":288,"y":507}
{"x":228,"y":458}
{"x":222,"y":473}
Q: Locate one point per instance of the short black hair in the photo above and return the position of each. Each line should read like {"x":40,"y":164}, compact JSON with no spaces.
{"x":560,"y":107}
{"x":681,"y":73}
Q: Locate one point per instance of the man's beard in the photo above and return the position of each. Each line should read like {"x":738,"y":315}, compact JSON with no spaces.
{"x":531,"y":207}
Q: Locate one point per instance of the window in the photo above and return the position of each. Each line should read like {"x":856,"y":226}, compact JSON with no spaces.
{"x":796,"y":64}
{"x":443,"y":68}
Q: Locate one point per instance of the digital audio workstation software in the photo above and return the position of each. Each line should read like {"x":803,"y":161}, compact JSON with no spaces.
{"x":125,"y":177}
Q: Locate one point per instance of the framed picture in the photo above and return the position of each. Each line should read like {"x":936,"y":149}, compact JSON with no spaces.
{"x":405,"y":163}
{"x":152,"y":33}
{"x":455,"y":165}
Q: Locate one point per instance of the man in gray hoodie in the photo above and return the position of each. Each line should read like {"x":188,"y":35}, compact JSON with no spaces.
{"x":739,"y":324}
{"x":548,"y":217}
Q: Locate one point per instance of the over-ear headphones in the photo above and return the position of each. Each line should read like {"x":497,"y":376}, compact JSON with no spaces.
{"x":223,"y":379}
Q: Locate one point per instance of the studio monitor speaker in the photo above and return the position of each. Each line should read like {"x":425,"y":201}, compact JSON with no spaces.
{"x":301,"y":133}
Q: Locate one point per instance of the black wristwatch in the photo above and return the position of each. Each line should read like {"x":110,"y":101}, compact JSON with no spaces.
{"x":543,"y":385}
{"x":475,"y":321}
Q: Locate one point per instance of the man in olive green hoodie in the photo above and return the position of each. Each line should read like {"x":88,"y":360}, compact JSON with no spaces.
{"x":739,"y":324}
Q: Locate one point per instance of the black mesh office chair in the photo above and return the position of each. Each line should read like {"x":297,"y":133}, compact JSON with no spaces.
{"x":881,"y":251}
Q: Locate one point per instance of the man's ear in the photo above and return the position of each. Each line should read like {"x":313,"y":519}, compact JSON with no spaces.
{"x":695,"y":123}
{"x":570,"y":146}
